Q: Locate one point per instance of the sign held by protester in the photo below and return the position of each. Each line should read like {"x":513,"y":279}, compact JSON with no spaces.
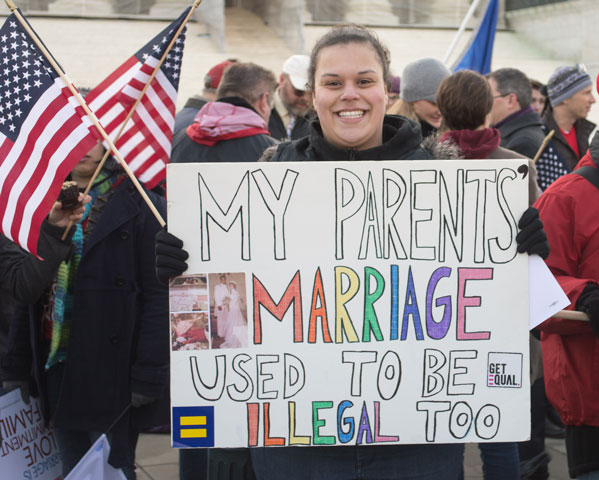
{"x":29,"y":450}
{"x":349,"y":303}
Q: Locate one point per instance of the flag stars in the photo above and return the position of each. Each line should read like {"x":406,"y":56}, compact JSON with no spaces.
{"x":11,"y":127}
{"x":2,"y":120}
{"x":27,"y":97}
{"x":7,"y":82}
{"x":164,"y":39}
{"x":37,"y":83}
{"x":3,"y":38}
{"x":37,"y":72}
{"x":14,"y":45}
{"x":10,"y":116}
{"x":13,"y":34}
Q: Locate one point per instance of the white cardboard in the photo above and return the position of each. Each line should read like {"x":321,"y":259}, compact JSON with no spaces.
{"x":28,"y":448}
{"x":422,"y":234}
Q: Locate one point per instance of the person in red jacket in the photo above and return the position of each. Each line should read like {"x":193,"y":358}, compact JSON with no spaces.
{"x":568,"y":209}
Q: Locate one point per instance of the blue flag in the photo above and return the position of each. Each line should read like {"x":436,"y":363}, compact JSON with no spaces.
{"x":479,"y":51}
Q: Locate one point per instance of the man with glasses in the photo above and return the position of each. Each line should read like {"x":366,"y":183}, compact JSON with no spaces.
{"x":292,"y":101}
{"x":512,"y":113}
{"x":570,"y":95}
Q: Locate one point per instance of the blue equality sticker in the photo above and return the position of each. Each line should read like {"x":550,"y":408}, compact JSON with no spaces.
{"x":193,"y":427}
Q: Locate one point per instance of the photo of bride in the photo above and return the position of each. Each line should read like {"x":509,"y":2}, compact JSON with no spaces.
{"x":228,"y":308}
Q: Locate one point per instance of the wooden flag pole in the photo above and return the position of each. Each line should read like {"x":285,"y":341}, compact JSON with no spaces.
{"x":543,"y":146}
{"x":132,"y":110}
{"x":571,"y":315}
{"x":86,"y":109}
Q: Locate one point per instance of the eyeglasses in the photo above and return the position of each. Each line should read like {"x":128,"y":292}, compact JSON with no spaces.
{"x":299,"y":93}
{"x":502,"y":95}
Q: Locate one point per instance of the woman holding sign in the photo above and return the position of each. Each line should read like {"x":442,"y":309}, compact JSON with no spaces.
{"x":347,"y":77}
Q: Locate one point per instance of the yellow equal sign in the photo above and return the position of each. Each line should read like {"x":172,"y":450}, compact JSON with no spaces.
{"x":193,"y":422}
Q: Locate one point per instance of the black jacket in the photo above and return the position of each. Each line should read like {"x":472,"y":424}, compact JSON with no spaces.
{"x":583,"y":129}
{"x":277,"y":129}
{"x":119,"y":334}
{"x":401,"y":141}
{"x":22,"y":274}
{"x":185,"y":116}
{"x":523,"y":134}
{"x":246,"y":149}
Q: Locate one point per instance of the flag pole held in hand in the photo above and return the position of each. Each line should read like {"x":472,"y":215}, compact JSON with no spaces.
{"x":89,"y":113}
{"x":543,"y":146}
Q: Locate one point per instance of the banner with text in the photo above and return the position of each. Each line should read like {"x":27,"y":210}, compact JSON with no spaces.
{"x":29,"y":449}
{"x":349,"y":303}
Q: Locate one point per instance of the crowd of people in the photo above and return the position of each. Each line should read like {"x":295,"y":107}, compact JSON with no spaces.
{"x":89,"y":322}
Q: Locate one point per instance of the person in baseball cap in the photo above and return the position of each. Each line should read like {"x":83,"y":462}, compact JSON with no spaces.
{"x":292,"y":101}
{"x":570,"y":96}
{"x":193,"y":104}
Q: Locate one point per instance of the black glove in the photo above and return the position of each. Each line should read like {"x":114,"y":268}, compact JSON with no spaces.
{"x":170,"y":256}
{"x":139,"y":400}
{"x":588,"y":302}
{"x":532,"y":238}
{"x":10,"y":385}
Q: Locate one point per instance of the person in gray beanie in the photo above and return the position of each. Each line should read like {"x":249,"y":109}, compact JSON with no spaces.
{"x":419,"y":82}
{"x":570,"y":96}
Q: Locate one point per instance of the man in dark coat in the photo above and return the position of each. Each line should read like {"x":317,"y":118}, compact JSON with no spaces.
{"x":512,"y":114}
{"x":97,"y":341}
{"x":234,"y":127}
{"x":570,"y":96}
{"x":292,"y":101}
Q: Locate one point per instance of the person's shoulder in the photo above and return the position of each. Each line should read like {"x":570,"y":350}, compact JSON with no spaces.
{"x":506,"y":153}
{"x":432,"y":148}
{"x":288,"y":151}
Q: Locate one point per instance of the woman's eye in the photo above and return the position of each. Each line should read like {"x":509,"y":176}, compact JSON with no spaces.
{"x":364,"y":81}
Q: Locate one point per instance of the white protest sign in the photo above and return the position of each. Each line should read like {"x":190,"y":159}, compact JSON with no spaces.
{"x":28,"y":448}
{"x":357,"y":303}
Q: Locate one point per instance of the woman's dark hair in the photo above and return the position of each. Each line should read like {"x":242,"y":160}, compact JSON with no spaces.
{"x":342,"y":35}
{"x":464,"y":100}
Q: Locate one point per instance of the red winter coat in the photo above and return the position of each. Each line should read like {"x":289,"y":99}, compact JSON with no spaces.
{"x":569,"y":209}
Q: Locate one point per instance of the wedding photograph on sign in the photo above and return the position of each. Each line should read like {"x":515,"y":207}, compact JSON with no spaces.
{"x":228,"y":307}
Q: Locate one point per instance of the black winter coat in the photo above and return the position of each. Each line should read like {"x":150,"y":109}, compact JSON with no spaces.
{"x":401,"y":141}
{"x":245,"y":149}
{"x":523,"y":134}
{"x":583,"y":129}
{"x":119,"y":333}
{"x":277,"y":128}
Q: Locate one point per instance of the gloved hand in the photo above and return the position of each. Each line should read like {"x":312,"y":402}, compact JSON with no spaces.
{"x":10,"y":385}
{"x":170,"y":256}
{"x":139,"y":400}
{"x":588,"y":302}
{"x":532,"y":238}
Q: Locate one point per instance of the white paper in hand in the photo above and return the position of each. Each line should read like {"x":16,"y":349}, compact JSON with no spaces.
{"x":546,"y":295}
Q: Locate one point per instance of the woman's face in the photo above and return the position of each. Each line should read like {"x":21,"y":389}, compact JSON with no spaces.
{"x":428,"y":112}
{"x":350,"y":96}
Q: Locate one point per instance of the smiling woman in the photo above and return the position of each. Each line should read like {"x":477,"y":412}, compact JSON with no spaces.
{"x":348,"y":73}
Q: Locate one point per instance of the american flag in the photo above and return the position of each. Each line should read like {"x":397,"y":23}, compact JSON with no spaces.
{"x":145,"y":143}
{"x":43,"y":135}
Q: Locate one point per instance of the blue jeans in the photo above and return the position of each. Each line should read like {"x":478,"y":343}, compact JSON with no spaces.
{"x":500,"y":461}
{"x":378,"y":462}
{"x":193,"y":464}
{"x":589,"y":476}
